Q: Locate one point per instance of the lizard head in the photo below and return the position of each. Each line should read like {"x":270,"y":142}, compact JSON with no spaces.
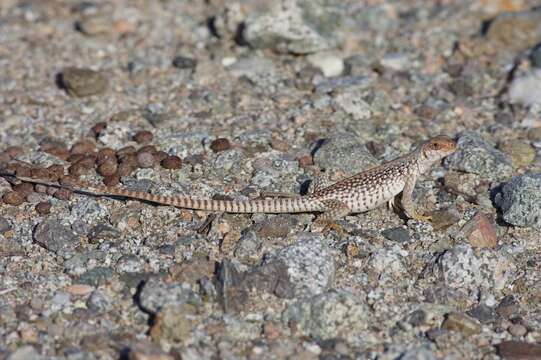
{"x":437,"y":148}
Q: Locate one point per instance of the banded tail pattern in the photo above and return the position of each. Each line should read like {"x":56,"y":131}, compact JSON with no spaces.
{"x":275,"y":205}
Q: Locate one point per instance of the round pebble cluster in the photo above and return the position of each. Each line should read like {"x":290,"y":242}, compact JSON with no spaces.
{"x":84,"y":157}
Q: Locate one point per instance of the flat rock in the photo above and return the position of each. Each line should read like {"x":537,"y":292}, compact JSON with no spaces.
{"x":520,"y":201}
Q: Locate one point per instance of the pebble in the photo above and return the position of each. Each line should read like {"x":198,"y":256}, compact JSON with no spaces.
{"x":461,"y":323}
{"x":143,"y":137}
{"x":309,"y":262}
{"x":515,"y":31}
{"x":174,"y":323}
{"x":156,"y":295}
{"x":220,"y":144}
{"x":183,"y":62}
{"x":520,"y":201}
{"x":43,"y":208}
{"x":519,"y":350}
{"x":93,"y":25}
{"x":397,"y":234}
{"x":480,"y":232}
{"x":145,"y":159}
{"x":56,"y":237}
{"x":172,"y":162}
{"x":517,"y":330}
{"x":483,"y":313}
{"x":330,"y":64}
{"x":526,"y":89}
{"x":81,"y":82}
{"x":13,"y":198}
{"x":4,"y":225}
{"x":96,"y":277}
{"x":26,"y":352}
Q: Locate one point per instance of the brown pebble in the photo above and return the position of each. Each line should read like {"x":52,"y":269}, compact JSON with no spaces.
{"x":51,"y":190}
{"x":43,"y":207}
{"x":105,"y":154}
{"x":160,"y":155}
{"x":98,"y":128}
{"x":145,"y":159}
{"x":148,"y":148}
{"x":111,"y":180}
{"x":24,"y":188}
{"x":143,"y":137}
{"x":126,"y":150}
{"x":63,"y":194}
{"x":83,"y":147}
{"x":23,"y":171}
{"x":13,"y":198}
{"x":125,"y":169}
{"x":172,"y":162}
{"x":61,"y":153}
{"x":14,"y":151}
{"x":220,"y":144}
{"x":108,"y":167}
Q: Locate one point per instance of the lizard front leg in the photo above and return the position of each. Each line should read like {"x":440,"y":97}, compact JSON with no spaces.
{"x":407,"y":200}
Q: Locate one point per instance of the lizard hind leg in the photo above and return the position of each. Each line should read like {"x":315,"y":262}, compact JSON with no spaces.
{"x":334,"y":210}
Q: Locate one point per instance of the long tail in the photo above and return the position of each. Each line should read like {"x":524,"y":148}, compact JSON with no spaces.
{"x":276,"y":205}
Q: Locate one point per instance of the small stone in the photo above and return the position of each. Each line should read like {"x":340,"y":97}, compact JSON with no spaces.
{"x":520,"y":201}
{"x":397,"y":234}
{"x":174,"y":323}
{"x":520,"y":153}
{"x":172,"y":162}
{"x":461,"y":323}
{"x":233,"y":292}
{"x":4,"y":225}
{"x":220,"y":144}
{"x":96,"y":276}
{"x":63,"y":194}
{"x":96,"y":24}
{"x":108,"y":168}
{"x":56,"y":237}
{"x":483,"y":313}
{"x":129,"y":264}
{"x":13,"y":198}
{"x":98,"y":301}
{"x":306,"y":161}
{"x":515,"y":31}
{"x":507,"y":307}
{"x":330,"y":64}
{"x":83,"y":82}
{"x":43,"y":208}
{"x":183,"y":62}
{"x":444,"y":218}
{"x":525,"y":89}
{"x":105,"y":154}
{"x":143,"y":137}
{"x":517,"y":330}
{"x":519,"y":350}
{"x":480,"y":232}
{"x":157,"y":294}
{"x":83,"y":147}
{"x":145,"y":160}
{"x":26,"y":352}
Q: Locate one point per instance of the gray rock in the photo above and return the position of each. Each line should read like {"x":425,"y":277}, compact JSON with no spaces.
{"x":397,"y":234}
{"x":328,"y":315}
{"x":272,"y":278}
{"x":98,"y":301}
{"x":418,"y":353}
{"x":465,"y":270}
{"x":309,"y":262}
{"x":26,"y":352}
{"x":4,"y":225}
{"x":129,"y":263}
{"x":477,"y":156}
{"x":336,"y":154}
{"x":156,"y":294}
{"x":56,"y":237}
{"x":483,"y":313}
{"x":259,"y":70}
{"x":233,"y":293}
{"x":298,"y":26}
{"x":248,"y":246}
{"x":520,"y":201}
{"x":83,"y":82}
{"x":326,"y":86}
{"x":96,"y":276}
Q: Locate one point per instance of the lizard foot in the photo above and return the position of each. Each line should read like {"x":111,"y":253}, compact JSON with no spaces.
{"x":420,"y":217}
{"x":334,"y":226}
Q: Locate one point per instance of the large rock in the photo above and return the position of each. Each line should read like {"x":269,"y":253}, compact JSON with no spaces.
{"x":295,"y":26}
{"x":520,"y":201}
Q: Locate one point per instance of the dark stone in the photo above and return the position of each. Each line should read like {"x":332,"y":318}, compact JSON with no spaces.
{"x":519,"y":350}
{"x":56,"y":237}
{"x":232,"y":292}
{"x":182,"y":62}
{"x":397,"y":234}
{"x":273,"y":278}
{"x":96,"y":276}
{"x":483,"y":313}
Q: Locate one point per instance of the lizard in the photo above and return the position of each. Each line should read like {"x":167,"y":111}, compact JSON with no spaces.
{"x":355,"y":194}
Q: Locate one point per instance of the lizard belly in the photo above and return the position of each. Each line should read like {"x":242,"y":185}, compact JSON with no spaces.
{"x":374,"y":198}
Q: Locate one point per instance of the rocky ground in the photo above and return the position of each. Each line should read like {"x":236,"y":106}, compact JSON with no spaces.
{"x":225,"y":99}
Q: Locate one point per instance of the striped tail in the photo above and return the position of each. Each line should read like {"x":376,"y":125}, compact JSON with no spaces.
{"x":275,"y":205}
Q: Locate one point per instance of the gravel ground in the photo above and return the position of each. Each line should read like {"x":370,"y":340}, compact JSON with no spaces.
{"x":226,"y":99}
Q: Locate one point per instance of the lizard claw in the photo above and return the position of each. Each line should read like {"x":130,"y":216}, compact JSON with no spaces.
{"x":420,"y":217}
